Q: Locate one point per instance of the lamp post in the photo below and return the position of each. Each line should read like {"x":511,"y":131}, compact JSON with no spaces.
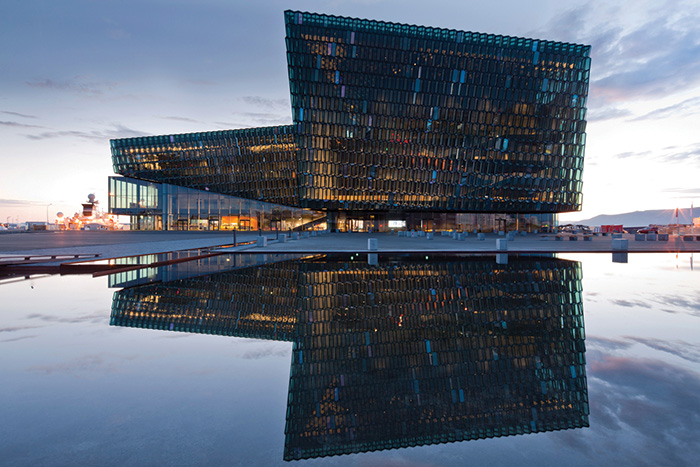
{"x":47,"y":214}
{"x":692,"y":223}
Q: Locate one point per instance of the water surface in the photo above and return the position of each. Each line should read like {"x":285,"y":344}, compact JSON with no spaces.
{"x":542,"y":360}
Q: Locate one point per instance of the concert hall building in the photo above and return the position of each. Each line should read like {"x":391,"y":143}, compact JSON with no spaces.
{"x":395,"y":126}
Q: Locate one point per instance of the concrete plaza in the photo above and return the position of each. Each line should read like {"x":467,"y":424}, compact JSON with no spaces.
{"x":110,"y":244}
{"x":392,"y":243}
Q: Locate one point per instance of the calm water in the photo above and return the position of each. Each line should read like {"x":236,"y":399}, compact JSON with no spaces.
{"x":574,"y":360}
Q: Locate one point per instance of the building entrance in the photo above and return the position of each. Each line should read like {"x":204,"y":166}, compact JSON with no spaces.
{"x":357,"y":224}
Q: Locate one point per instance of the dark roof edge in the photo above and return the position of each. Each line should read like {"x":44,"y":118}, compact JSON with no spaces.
{"x":234,"y":131}
{"x":431,"y":30}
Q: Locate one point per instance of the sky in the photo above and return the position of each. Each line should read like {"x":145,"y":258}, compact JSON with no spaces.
{"x":78,"y":73}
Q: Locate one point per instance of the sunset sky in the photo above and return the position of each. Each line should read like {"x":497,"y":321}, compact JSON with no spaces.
{"x":77,"y":73}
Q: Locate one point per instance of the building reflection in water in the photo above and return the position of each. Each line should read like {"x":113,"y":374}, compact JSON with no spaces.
{"x":401,"y":353}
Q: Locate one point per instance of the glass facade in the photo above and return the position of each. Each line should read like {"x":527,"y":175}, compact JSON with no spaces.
{"x":161,"y":206}
{"x":406,"y":352}
{"x":383,"y":221}
{"x":393,"y":116}
{"x":394,"y":122}
{"x":255,"y":163}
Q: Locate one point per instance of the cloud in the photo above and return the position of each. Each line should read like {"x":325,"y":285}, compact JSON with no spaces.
{"x":16,"y":203}
{"x":671,"y":154}
{"x":690,"y":306}
{"x":175,"y":335}
{"x":649,"y":53}
{"x":656,"y":59}
{"x":233,"y":125}
{"x":686,"y":154}
{"x":94,"y":135}
{"x":628,"y":154}
{"x":261,"y":115}
{"x":678,"y":348}
{"x":19,"y":125}
{"x":607,"y":113}
{"x":19,"y":338}
{"x":265,"y":102}
{"x":264,"y":353}
{"x":76,"y":85}
{"x":88,"y":364}
{"x":562,"y":25}
{"x":119,"y":131}
{"x":265,"y":118}
{"x":16,"y":114}
{"x":88,"y":318}
{"x":85,"y":364}
{"x":262,"y":348}
{"x":631,"y":303}
{"x":687,"y":191}
{"x":685,"y":108}
{"x":17,"y":328}
{"x":606,"y":343}
{"x":201,"y":82}
{"x":647,"y":405}
{"x":180,"y":119}
{"x":256,"y":119}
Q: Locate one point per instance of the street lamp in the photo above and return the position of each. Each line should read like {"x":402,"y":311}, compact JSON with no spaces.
{"x":47,"y":214}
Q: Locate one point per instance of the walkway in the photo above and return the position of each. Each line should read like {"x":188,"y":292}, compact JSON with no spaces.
{"x":114,"y":244}
{"x":358,"y":243}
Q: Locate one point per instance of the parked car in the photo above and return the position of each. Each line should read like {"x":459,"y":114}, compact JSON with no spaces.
{"x":648,"y":230}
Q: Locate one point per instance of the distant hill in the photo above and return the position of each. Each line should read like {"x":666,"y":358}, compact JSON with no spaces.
{"x":643,"y":218}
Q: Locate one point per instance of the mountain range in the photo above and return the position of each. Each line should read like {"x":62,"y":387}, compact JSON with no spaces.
{"x":643,"y":218}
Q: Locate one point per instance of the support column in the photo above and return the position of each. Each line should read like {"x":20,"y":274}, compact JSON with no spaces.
{"x":332,"y":221}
